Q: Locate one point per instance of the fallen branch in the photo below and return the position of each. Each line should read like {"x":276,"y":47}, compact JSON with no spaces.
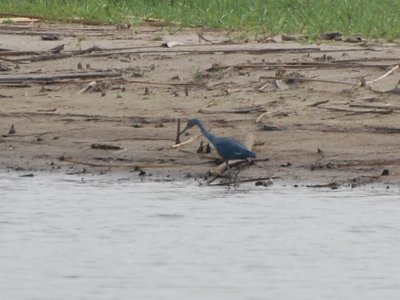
{"x":352,"y":164}
{"x":246,"y":181}
{"x":243,"y":110}
{"x":303,"y":79}
{"x":160,"y":83}
{"x":297,"y":65}
{"x":105,"y":147}
{"x":15,"y":85}
{"x":19,"y":53}
{"x":212,"y":49}
{"x":355,"y":112}
{"x":47,"y":56}
{"x":373,"y":163}
{"x":49,"y":78}
{"x":384,"y":107}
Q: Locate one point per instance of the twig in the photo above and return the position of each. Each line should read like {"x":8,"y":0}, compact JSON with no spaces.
{"x":88,"y":87}
{"x":384,"y":75}
{"x":200,"y":35}
{"x":178,"y":131}
{"x":261,"y":116}
{"x":186,"y":142}
{"x":260,"y":89}
{"x":315,"y":104}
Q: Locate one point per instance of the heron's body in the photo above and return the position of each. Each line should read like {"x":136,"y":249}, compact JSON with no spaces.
{"x":227,"y":148}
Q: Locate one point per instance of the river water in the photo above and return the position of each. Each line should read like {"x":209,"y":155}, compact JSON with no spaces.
{"x":62,"y":237}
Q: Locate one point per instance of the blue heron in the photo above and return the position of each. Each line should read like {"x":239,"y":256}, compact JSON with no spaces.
{"x":227,"y":148}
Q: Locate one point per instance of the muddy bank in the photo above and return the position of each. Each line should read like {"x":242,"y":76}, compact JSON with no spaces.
{"x":103,"y":99}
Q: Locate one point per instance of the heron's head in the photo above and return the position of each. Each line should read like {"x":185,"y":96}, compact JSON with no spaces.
{"x":190,"y":124}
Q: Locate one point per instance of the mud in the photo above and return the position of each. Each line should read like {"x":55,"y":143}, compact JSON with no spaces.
{"x":312,"y":119}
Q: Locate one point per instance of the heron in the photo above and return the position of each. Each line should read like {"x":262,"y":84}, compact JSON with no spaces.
{"x":227,"y":148}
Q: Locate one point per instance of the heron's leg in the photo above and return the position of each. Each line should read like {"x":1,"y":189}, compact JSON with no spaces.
{"x":229,"y":170}
{"x":235,"y":178}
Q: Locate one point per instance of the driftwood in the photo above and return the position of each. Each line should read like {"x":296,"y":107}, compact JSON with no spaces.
{"x":213,"y":50}
{"x":357,"y":112}
{"x":297,"y":65}
{"x":19,"y":53}
{"x":303,"y":79}
{"x":351,"y":164}
{"x":383,"y":107}
{"x":260,"y":117}
{"x":243,"y":110}
{"x":160,"y":83}
{"x":193,"y":138}
{"x":50,"y":78}
{"x":88,"y":88}
{"x":48,"y":56}
{"x":247,"y":181}
{"x":315,"y":104}
{"x":105,"y":147}
{"x":353,"y":182}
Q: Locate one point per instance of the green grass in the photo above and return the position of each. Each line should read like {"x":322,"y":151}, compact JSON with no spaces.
{"x":370,"y":18}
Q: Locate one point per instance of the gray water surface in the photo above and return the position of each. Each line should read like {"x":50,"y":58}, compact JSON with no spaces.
{"x":101,"y":238}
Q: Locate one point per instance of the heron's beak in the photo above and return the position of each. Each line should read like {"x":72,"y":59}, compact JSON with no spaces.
{"x":183,"y":131}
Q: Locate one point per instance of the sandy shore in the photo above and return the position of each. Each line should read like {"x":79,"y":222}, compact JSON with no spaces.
{"x":324,"y":129}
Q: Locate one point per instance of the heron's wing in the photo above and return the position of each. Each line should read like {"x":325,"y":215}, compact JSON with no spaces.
{"x":231,"y":149}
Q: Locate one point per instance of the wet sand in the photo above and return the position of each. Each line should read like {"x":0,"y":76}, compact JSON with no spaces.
{"x":324,"y":129}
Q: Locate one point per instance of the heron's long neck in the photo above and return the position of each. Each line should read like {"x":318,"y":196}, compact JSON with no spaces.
{"x":207,"y":133}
